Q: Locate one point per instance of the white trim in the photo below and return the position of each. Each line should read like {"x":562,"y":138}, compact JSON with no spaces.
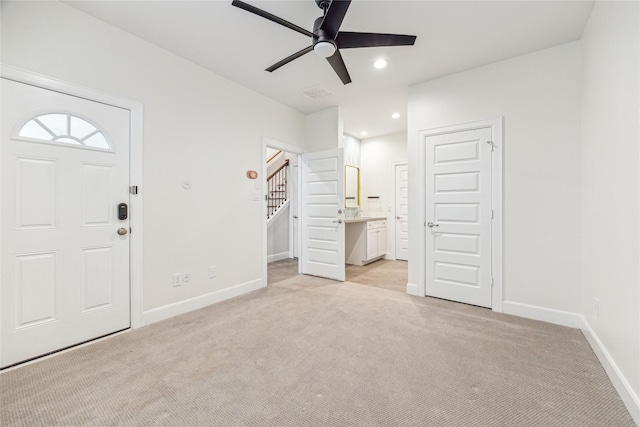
{"x":496,"y":126}
{"x":544,"y":314}
{"x":136,"y":164}
{"x":201,"y":301}
{"x":278,"y":145}
{"x":574,"y":320}
{"x":620,"y":382}
{"x":414,"y":289}
{"x":278,"y":257}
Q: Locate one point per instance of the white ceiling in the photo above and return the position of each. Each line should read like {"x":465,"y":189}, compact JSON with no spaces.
{"x":452,"y":36}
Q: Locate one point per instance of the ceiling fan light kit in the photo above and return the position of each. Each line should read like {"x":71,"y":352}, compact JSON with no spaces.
{"x":327,"y":39}
{"x":324,"y":49}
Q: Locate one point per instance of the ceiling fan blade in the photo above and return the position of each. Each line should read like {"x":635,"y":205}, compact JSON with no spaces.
{"x":334,"y":16}
{"x":289,"y":59}
{"x":337,"y":63}
{"x":347,"y":40}
{"x":270,"y":17}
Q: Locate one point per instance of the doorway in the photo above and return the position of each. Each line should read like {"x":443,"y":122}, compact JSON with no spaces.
{"x":282,"y":206}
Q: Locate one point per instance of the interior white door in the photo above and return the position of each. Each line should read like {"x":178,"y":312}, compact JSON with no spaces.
{"x":402,"y":212}
{"x":295,"y":208}
{"x":458,"y":198}
{"x":322,"y":214}
{"x":65,"y":267}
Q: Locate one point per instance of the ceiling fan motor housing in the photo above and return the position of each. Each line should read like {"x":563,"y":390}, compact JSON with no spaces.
{"x":320,"y":35}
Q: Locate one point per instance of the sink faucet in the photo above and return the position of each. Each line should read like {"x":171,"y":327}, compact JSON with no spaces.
{"x":359,"y":213}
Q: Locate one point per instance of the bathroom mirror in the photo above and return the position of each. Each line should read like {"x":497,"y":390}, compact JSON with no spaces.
{"x":351,"y":187}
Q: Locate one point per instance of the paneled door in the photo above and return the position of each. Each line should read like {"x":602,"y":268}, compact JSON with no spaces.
{"x":65,"y":242}
{"x":458,"y":212}
{"x":294,"y":196}
{"x":322,"y":210}
{"x":402,"y":211}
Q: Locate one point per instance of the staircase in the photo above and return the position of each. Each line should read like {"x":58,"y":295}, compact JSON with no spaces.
{"x":277,"y":189}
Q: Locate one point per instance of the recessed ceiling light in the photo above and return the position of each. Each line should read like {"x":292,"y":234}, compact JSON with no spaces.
{"x":364,"y":133}
{"x":395,"y":116}
{"x":380,"y":63}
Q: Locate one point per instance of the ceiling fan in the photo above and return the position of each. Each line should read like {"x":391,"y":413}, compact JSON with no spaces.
{"x":326,"y":38}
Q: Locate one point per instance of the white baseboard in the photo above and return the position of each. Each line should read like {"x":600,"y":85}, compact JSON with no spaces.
{"x":412,"y":289}
{"x":181,"y":307}
{"x":558,"y":317}
{"x":574,"y":320}
{"x":622,"y":386}
{"x":277,"y":257}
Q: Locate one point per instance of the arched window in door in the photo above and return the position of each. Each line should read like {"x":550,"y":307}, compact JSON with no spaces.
{"x":66,"y":129}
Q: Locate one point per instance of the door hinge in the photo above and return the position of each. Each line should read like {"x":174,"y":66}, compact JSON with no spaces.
{"x":491,"y":144}
{"x":491,"y":213}
{"x":266,"y":197}
{"x":133,"y":189}
{"x":492,"y":282}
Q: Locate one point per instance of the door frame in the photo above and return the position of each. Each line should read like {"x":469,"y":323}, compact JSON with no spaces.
{"x":288,"y":148}
{"x":497,"y":159}
{"x":135,"y":109}
{"x":394,"y":165}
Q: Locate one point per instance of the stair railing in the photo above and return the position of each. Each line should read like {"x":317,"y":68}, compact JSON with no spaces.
{"x":277,"y":189}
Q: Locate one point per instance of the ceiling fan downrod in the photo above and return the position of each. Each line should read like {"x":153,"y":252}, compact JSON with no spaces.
{"x":324,"y":5}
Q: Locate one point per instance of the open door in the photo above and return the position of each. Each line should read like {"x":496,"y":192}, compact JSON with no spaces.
{"x":322,"y":214}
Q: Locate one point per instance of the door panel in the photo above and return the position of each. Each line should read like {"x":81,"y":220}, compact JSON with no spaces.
{"x":322,"y":214}
{"x":458,"y":197}
{"x":295,"y":209}
{"x":65,"y":270}
{"x":402,"y":212}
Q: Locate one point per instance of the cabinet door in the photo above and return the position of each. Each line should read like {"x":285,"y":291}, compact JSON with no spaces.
{"x":382,"y":241}
{"x":372,"y":244}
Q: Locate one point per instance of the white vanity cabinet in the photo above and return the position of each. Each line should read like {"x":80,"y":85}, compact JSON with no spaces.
{"x":365,"y":240}
{"x":376,"y":239}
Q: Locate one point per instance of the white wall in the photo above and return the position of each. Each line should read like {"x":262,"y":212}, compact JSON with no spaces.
{"x":351,"y":146}
{"x":539,"y":96}
{"x":377,"y":178}
{"x":324,"y":129}
{"x":278,"y":236}
{"x":197,"y":126}
{"x":610,"y":184}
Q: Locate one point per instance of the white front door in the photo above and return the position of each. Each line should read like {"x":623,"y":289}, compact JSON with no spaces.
{"x":322,"y":214}
{"x":458,"y":214}
{"x":402,"y":212}
{"x":65,"y":267}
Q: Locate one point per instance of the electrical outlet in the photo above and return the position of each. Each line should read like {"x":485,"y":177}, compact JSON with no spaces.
{"x":596,"y":307}
{"x":186,"y":277}
{"x":177,"y":279}
{"x":212,"y":272}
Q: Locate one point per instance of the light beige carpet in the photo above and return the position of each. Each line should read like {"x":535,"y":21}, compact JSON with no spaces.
{"x":312,"y":352}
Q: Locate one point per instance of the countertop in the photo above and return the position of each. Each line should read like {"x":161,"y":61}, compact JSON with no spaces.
{"x":364,"y":219}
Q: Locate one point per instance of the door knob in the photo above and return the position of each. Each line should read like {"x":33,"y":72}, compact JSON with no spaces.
{"x":432,"y":224}
{"x":398,"y":217}
{"x":338,"y":221}
{"x":122,"y":231}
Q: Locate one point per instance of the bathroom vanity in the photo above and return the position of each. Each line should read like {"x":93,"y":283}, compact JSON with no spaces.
{"x":365,"y":240}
